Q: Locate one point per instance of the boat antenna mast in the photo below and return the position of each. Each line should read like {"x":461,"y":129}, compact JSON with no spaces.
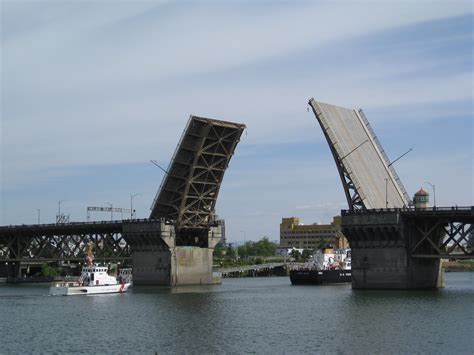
{"x":89,"y":254}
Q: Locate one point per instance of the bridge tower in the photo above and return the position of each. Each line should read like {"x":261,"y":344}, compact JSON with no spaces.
{"x":177,"y":249}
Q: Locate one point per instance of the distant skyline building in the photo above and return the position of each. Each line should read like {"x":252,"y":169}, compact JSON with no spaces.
{"x":311,"y":236}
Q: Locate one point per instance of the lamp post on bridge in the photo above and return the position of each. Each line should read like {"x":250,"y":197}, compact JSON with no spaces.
{"x":131,"y":204}
{"x":434,"y":192}
{"x":156,"y":164}
{"x":58,"y":217}
{"x":386,"y":179}
{"x":59,"y":206}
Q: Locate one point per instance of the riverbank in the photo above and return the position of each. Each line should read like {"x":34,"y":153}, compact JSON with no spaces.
{"x":36,"y":279}
{"x":458,"y":265}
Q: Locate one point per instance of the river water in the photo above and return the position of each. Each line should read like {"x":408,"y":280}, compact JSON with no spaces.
{"x":247,"y":315}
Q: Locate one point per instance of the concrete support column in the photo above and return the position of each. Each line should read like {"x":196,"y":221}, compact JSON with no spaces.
{"x":157,"y":260}
{"x":381,"y":245}
{"x":192,"y":265}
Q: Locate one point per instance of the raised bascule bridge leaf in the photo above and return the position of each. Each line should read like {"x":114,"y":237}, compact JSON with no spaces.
{"x":368,"y":177}
{"x":190,"y":187}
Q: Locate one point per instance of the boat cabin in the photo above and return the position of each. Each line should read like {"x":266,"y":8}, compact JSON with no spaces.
{"x":96,"y":276}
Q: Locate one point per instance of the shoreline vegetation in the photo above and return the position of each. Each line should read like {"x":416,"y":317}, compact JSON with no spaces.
{"x":458,"y":265}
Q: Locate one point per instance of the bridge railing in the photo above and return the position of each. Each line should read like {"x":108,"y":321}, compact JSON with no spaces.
{"x":91,"y":223}
{"x":245,"y":268}
{"x":385,"y":157}
{"x":426,"y":210}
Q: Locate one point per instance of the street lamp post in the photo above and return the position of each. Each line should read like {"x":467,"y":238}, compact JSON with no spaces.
{"x":58,"y":217}
{"x":59,"y":207}
{"x":434,"y":192}
{"x":386,"y":193}
{"x":156,"y":164}
{"x":131,"y":204}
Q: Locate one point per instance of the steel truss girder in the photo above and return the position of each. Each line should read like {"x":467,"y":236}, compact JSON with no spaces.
{"x":189,"y":190}
{"x":442,"y":238}
{"x":41,"y":247}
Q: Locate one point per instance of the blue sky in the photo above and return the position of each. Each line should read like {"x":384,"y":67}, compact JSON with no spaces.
{"x":92,"y":90}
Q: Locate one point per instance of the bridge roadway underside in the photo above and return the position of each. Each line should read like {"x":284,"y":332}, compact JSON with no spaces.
{"x":403,"y":248}
{"x":151,"y":244}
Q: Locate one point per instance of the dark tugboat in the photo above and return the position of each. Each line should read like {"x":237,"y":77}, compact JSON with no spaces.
{"x":327,"y":267}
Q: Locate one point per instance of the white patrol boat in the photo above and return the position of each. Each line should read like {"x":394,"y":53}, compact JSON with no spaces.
{"x":94,"y":279}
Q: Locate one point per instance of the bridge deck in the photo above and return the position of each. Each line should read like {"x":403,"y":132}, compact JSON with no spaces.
{"x":461,"y":214}
{"x":362,"y":163}
{"x":67,"y":242}
{"x":58,"y":228}
{"x":429,"y":233}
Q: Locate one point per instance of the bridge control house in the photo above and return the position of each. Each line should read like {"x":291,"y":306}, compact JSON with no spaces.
{"x":311,"y":236}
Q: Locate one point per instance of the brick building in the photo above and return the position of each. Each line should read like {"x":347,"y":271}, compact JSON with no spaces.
{"x":311,"y":236}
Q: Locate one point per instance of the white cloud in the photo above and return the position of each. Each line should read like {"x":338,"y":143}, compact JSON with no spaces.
{"x":95,"y":46}
{"x":97,"y":83}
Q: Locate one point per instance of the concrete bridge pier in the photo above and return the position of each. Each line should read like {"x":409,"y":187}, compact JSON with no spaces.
{"x":392,"y":268}
{"x":159,"y":258}
{"x":10,"y":269}
{"x":381,"y":245}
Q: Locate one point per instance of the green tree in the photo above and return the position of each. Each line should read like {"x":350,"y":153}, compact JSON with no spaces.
{"x":219,"y":251}
{"x":47,"y":270}
{"x":265,"y":247}
{"x":295,"y":254}
{"x":246,"y":250}
{"x":231,"y":253}
{"x":306,"y":254}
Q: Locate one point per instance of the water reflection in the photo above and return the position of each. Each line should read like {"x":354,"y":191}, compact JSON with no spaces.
{"x":193,"y":289}
{"x":253,"y":315}
{"x":174,"y":289}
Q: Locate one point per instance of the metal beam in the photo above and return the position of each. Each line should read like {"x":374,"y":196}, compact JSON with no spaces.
{"x":189,"y":191}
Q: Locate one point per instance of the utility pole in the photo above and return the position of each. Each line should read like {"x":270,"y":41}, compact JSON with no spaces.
{"x":131,"y":205}
{"x":59,"y":217}
{"x":434,"y":192}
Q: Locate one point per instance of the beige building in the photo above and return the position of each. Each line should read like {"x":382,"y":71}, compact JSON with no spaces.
{"x":311,"y":236}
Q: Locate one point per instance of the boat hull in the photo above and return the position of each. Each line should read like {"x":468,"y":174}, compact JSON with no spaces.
{"x":320,"y":277}
{"x":62,"y":290}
